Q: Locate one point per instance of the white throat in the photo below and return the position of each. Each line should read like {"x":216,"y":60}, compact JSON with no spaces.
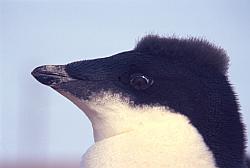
{"x":150,"y":137}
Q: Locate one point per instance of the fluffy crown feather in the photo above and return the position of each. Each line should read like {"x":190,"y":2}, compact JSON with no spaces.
{"x":193,"y":51}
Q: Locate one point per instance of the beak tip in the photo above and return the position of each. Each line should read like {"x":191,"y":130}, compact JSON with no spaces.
{"x":38,"y":70}
{"x":49,"y":75}
{"x":33,"y":73}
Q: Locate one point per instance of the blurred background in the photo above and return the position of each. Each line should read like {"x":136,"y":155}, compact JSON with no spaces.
{"x":36,"y":123}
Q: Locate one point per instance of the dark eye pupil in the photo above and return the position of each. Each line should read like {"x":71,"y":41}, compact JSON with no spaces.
{"x":140,"y":82}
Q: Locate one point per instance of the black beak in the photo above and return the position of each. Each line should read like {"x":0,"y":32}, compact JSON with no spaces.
{"x":51,"y":75}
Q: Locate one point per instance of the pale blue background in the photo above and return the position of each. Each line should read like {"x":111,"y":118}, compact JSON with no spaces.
{"x":37,"y":122}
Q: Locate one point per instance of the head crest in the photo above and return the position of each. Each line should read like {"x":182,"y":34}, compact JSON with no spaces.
{"x":197,"y":52}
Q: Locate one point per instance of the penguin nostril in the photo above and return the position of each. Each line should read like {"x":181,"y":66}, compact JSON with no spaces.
{"x":82,"y":78}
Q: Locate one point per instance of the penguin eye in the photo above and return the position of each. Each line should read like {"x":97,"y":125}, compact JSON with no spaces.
{"x":140,"y":81}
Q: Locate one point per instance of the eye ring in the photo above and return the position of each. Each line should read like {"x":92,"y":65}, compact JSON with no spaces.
{"x":140,"y":81}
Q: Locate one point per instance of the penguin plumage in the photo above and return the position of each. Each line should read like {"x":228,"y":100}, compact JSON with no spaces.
{"x":168,"y":97}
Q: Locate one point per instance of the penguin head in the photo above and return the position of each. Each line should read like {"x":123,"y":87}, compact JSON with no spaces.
{"x":185,"y":76}
{"x":158,"y":71}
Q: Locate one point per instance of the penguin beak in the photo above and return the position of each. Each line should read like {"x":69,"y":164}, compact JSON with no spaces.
{"x":51,"y":75}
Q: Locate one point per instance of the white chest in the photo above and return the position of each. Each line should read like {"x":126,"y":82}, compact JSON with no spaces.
{"x":141,"y":136}
{"x":175,"y":144}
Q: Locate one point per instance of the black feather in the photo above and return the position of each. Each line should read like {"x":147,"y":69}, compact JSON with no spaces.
{"x":193,"y":51}
{"x":248,"y":162}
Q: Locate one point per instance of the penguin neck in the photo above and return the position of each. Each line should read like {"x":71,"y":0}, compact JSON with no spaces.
{"x":157,"y":138}
{"x":142,"y":136}
{"x":220,"y":123}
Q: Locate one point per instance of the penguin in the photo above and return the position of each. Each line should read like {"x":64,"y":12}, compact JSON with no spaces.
{"x":167,"y":103}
